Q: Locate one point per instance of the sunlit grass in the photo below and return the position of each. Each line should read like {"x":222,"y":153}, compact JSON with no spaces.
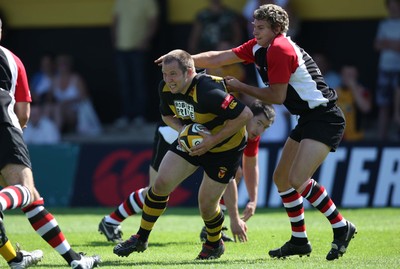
{"x":174,"y":242}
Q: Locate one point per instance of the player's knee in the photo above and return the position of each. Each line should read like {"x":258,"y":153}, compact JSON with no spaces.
{"x":33,"y":205}
{"x":162,"y":187}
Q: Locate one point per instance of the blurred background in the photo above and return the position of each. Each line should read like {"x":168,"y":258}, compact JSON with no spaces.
{"x":344,"y":30}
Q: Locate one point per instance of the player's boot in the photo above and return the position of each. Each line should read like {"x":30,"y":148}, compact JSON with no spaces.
{"x":124,"y":249}
{"x":86,"y":262}
{"x":339,"y":245}
{"x":28,"y":259}
{"x":209,"y":253}
{"x":289,"y":249}
{"x":112,"y":232}
{"x":224,"y":236}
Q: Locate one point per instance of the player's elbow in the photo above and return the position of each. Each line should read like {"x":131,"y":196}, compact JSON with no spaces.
{"x":23,"y":119}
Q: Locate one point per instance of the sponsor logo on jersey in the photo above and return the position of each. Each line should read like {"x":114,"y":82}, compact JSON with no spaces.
{"x":228,"y":99}
{"x":184,"y":110}
{"x":233,"y":104}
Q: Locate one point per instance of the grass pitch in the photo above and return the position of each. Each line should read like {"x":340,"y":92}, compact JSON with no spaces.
{"x":174,"y":242}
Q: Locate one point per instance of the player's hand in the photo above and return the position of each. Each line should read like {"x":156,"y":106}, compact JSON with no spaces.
{"x":179,"y":141}
{"x":159,"y":60}
{"x":239,"y":230}
{"x":204,"y":146}
{"x":232,"y":83}
{"x":249,"y":211}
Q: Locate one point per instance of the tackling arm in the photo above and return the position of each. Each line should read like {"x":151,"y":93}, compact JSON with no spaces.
{"x":274,"y":94}
{"x":213,"y":59}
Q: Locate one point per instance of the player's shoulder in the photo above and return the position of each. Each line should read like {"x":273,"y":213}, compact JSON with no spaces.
{"x":9,"y":54}
{"x":162,"y":86}
{"x":209,"y":81}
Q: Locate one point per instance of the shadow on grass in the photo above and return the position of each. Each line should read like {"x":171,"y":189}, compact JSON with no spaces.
{"x":151,"y":244}
{"x":166,"y":264}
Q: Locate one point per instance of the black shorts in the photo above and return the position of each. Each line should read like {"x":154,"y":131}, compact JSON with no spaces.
{"x":220,"y":166}
{"x":325,"y":125}
{"x":12,"y":147}
{"x":160,"y":148}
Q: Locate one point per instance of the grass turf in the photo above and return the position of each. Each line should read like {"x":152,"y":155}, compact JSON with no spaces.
{"x":174,"y":242}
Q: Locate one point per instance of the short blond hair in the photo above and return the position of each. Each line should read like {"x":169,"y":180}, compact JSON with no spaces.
{"x":184,"y":59}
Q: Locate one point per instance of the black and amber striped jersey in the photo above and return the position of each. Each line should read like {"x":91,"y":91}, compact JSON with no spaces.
{"x":207,"y":102}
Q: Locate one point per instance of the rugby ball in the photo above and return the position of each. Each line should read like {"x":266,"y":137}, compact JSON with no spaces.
{"x":190,"y":137}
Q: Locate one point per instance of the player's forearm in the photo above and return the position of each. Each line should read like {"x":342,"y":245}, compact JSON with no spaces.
{"x":213,"y":59}
{"x":251,"y":177}
{"x":231,"y":200}
{"x":274,"y":94}
{"x":173,"y":122}
{"x":363,"y":101}
{"x":233,"y":126}
{"x":22,"y":110}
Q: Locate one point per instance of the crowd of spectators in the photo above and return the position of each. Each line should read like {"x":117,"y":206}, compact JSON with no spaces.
{"x":61,"y":103}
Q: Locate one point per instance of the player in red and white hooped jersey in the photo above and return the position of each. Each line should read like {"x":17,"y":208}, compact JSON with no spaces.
{"x":16,"y":172}
{"x":293,"y":79}
{"x":13,"y":89}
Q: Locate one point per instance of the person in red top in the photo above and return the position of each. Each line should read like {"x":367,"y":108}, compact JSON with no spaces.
{"x":16,"y":173}
{"x":292,"y":78}
{"x":263,"y":118}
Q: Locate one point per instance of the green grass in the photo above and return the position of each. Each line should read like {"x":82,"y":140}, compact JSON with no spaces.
{"x":174,"y":242}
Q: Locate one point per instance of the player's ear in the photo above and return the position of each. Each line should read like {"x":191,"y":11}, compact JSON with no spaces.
{"x":190,"y":71}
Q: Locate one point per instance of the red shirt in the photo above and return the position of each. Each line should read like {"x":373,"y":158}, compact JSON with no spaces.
{"x":251,"y":149}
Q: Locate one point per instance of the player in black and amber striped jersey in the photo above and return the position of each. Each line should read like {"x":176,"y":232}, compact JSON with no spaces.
{"x":263,"y":118}
{"x":204,"y":105}
{"x":187,"y":97}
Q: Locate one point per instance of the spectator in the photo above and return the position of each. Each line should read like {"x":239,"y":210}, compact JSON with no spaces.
{"x":40,"y":128}
{"x":387,"y":42}
{"x":214,"y":24}
{"x":71,"y":99}
{"x":42,"y":80}
{"x":331,"y":77}
{"x":134,"y":25}
{"x":353,"y":98}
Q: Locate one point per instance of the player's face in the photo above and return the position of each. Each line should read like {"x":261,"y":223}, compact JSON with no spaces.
{"x":263,"y":33}
{"x":257,"y":125}
{"x":176,"y":80}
